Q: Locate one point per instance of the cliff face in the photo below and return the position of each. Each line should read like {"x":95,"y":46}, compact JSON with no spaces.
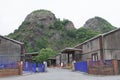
{"x":99,"y":25}
{"x":42,"y":17}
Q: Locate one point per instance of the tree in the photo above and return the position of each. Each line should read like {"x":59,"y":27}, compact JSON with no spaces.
{"x":44,"y":54}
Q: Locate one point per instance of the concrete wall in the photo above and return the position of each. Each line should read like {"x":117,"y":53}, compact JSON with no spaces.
{"x":78,"y":56}
{"x":91,"y":47}
{"x":112,"y":45}
{"x":9,"y":50}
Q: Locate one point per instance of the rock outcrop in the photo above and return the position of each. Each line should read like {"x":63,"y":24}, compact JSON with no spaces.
{"x":42,"y":17}
{"x":99,"y":25}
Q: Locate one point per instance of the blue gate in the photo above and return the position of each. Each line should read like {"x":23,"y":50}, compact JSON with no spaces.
{"x":81,"y":66}
{"x":33,"y":67}
{"x":41,"y":67}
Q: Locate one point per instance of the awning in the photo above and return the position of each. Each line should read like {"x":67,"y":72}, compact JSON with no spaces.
{"x":68,"y":50}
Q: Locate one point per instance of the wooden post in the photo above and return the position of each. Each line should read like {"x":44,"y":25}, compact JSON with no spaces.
{"x":115,"y":66}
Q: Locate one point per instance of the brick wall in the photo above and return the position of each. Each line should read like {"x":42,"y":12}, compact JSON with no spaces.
{"x":102,"y":69}
{"x":8,"y":72}
{"x":11,"y":72}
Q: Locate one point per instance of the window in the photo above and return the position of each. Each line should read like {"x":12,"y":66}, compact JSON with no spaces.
{"x":91,"y":45}
{"x":88,"y":45}
{"x":95,"y":57}
{"x":0,"y":41}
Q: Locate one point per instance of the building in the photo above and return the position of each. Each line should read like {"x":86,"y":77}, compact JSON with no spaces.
{"x":102,"y":51}
{"x":102,"y":47}
{"x":11,"y":52}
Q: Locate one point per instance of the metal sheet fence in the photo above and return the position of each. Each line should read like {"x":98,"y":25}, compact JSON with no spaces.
{"x":33,"y":67}
{"x":81,"y":66}
{"x":11,"y":65}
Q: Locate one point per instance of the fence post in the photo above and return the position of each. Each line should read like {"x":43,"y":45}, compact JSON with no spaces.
{"x":115,"y":66}
{"x":88,"y":64}
{"x":45,"y":66}
{"x":73,"y":65}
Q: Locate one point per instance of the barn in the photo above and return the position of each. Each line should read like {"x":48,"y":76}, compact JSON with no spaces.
{"x":11,"y":54}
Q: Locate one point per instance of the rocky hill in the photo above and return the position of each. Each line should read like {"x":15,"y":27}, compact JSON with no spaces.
{"x":41,"y":29}
{"x":99,"y":24}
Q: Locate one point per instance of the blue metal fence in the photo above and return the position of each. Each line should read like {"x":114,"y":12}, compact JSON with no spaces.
{"x":33,"y":67}
{"x":10,"y":65}
{"x":81,"y":66}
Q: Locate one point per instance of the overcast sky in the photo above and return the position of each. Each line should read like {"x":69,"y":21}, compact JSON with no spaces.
{"x":13,"y":12}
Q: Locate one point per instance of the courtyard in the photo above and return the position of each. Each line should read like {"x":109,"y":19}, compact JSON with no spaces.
{"x":60,"y":74}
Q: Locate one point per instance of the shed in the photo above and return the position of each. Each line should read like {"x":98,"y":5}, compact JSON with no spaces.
{"x":29,"y":56}
{"x":70,"y":54}
{"x":55,"y":60}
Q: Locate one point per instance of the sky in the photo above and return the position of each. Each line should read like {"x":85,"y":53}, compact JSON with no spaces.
{"x":13,"y":12}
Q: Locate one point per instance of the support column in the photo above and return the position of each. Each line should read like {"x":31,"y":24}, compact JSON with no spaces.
{"x":68,"y":58}
{"x":101,"y":47}
{"x":60,"y":58}
{"x":115,"y":66}
{"x":73,"y":57}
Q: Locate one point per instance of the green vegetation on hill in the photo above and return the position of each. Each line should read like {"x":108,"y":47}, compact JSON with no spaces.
{"x":59,"y":25}
{"x":41,"y":29}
